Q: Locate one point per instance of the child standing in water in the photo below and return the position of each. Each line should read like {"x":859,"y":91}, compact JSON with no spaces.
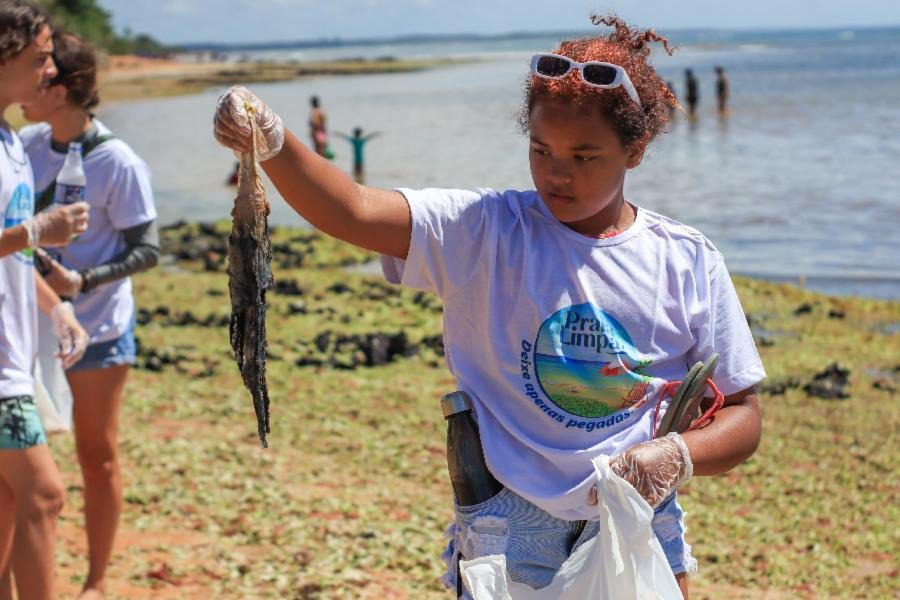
{"x":358,"y":141}
{"x":567,"y":308}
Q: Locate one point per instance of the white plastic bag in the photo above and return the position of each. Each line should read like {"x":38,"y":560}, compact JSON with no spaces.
{"x":623,"y":562}
{"x":52,"y":394}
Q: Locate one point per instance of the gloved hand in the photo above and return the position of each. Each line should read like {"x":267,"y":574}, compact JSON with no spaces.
{"x":57,"y":227}
{"x":655,"y":468}
{"x":65,"y":282}
{"x":231,"y":123}
{"x":73,"y":339}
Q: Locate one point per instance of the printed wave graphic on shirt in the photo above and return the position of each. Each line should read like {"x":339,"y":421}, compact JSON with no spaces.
{"x":19,"y":209}
{"x":587,"y":364}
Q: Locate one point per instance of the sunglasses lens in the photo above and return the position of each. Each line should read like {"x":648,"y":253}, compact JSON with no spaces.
{"x":599,"y":74}
{"x":551,"y":66}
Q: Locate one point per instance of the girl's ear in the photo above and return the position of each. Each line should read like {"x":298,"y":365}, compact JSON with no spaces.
{"x":635,"y":154}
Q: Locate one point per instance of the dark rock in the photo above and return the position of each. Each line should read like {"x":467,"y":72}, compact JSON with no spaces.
{"x":377,"y":349}
{"x":308,"y":361}
{"x":288,"y":287}
{"x":830,"y":384}
{"x":174,"y":226}
{"x":435,"y":342}
{"x":340,"y":288}
{"x":836,"y":314}
{"x":779,"y":387}
{"x":883,"y":383}
{"x":144,"y":316}
{"x":803,"y":309}
{"x":298,"y":307}
{"x":212,"y":262}
{"x":765,"y":342}
{"x":208,"y":229}
{"x":323,"y":340}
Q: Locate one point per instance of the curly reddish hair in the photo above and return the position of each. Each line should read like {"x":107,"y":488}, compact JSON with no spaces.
{"x":629,"y":48}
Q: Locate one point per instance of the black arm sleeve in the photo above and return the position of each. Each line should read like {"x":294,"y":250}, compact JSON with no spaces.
{"x":141,"y":253}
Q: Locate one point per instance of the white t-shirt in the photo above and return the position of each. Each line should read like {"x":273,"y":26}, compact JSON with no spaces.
{"x":119,"y":192}
{"x":18,"y":301}
{"x":564,"y":342}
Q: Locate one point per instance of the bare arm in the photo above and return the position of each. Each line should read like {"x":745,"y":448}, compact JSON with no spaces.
{"x":371,"y":218}
{"x":13,"y":240}
{"x":46,"y":297}
{"x":321,"y":193}
{"x":730,"y":439}
{"x":49,"y":228}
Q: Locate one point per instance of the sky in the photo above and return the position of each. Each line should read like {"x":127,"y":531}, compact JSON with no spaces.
{"x":239,"y":21}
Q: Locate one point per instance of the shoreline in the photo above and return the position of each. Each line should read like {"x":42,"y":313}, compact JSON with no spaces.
{"x":127,"y":78}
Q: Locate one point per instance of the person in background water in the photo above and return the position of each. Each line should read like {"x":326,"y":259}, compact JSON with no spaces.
{"x":94,"y":272}
{"x":318,"y":129}
{"x":565,"y":285}
{"x":31,"y":489}
{"x":722,"y":90}
{"x":692,"y":92}
{"x":358,"y":141}
{"x":670,"y":85}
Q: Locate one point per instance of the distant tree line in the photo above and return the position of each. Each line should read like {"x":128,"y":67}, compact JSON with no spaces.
{"x":94,"y":23}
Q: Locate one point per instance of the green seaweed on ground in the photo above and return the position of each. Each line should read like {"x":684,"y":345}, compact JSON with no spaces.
{"x":352,"y":497}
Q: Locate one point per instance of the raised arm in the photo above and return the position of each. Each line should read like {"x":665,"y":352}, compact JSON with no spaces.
{"x":54,"y":228}
{"x":371,"y":218}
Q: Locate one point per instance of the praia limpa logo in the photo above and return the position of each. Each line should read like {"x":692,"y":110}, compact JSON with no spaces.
{"x":20,"y":208}
{"x":587,"y":364}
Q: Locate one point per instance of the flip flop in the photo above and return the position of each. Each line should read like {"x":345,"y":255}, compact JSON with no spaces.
{"x":689,"y":408}
{"x":666,"y":424}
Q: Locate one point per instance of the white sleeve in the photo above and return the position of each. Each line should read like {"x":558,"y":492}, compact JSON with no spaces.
{"x":724,"y":330}
{"x":131,"y":196}
{"x":450,"y":229}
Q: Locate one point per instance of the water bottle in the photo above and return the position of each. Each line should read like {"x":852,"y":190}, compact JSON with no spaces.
{"x":472,"y":482}
{"x":71,"y":181}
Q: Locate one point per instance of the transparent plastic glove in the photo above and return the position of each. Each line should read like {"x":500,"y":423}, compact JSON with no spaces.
{"x":57,"y":227}
{"x":65,"y":282}
{"x":231,"y":123}
{"x":73,"y":339}
{"x":655,"y":468}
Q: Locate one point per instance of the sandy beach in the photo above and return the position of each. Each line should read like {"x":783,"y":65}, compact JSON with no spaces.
{"x":134,"y":77}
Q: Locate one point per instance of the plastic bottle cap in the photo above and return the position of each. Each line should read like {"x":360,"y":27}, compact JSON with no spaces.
{"x":455,"y":402}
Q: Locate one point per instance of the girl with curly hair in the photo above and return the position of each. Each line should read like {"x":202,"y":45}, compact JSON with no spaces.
{"x":568,"y":309}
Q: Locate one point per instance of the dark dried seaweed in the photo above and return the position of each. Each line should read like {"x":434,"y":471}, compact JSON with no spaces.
{"x":249,"y":276}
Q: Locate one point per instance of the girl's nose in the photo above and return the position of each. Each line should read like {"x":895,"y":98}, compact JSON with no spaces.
{"x":560,"y":172}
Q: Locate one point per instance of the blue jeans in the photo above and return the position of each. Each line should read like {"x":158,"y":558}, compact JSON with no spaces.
{"x":102,"y":355}
{"x":536,"y":543}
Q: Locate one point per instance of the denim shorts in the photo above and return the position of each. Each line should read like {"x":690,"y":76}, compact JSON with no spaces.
{"x":112,"y":353}
{"x":536,"y":543}
{"x":20,"y":424}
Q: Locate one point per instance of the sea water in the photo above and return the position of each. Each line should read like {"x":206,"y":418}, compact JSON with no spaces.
{"x":798,"y":181}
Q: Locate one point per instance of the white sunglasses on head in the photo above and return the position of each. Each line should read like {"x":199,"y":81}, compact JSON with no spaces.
{"x":593,"y":73}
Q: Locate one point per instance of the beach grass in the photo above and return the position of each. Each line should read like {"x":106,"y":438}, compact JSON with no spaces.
{"x":352,"y":498}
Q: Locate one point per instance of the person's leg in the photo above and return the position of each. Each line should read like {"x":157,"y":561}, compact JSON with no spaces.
{"x":98,"y":395}
{"x":7,"y":530}
{"x":37,"y":486}
{"x":681,"y":578}
{"x":6,"y":584}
